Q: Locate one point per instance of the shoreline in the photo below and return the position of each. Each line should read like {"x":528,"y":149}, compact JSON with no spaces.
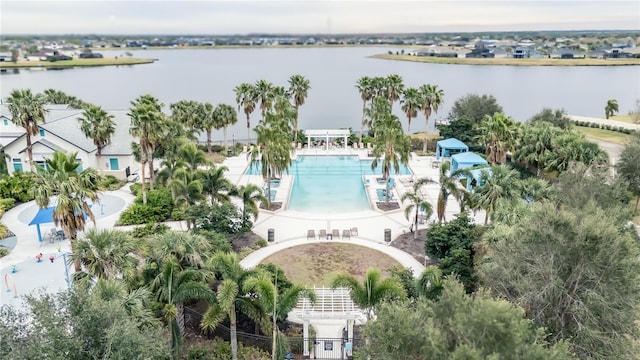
{"x":64,"y":64}
{"x":509,"y":61}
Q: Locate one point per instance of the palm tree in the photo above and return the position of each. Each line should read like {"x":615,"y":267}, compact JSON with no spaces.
{"x":186,"y":248}
{"x":416,"y":202}
{"x":98,"y":125}
{"x":246,"y":97}
{"x":107,"y":254}
{"x":273,"y":150}
{"x":231,"y":297}
{"x":611,"y":108}
{"x":265,"y":94}
{"x":498,"y":182}
{"x":74,"y":190}
{"x":146,"y":124}
{"x":449,"y":186}
{"x":251,"y":195}
{"x":192,"y":157}
{"x":215,"y":184}
{"x":277,"y":304}
{"x":27,"y":111}
{"x":226,"y":115}
{"x":190,"y":114}
{"x":298,"y":88}
{"x":364,"y":86}
{"x":432,"y":98}
{"x":411,"y":103}
{"x":395,"y":88}
{"x":499,"y":133}
{"x":134,"y":302}
{"x":391,"y":147}
{"x":536,"y":142}
{"x":372,"y":291}
{"x":172,"y":287}
{"x":186,"y":188}
{"x":535,"y":189}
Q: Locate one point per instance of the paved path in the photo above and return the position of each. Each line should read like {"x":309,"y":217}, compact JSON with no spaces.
{"x":605,"y":122}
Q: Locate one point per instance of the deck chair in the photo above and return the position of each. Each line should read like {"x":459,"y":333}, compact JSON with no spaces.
{"x":354,"y":231}
{"x":335,"y":234}
{"x":323,"y":234}
{"x":346,"y":233}
{"x":311,"y":234}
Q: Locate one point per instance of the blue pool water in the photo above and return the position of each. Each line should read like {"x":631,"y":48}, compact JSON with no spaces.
{"x":329,"y":184}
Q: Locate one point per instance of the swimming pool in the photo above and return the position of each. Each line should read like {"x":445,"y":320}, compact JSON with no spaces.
{"x":329,"y":184}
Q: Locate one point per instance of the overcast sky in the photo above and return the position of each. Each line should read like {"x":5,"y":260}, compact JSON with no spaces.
{"x":305,"y":16}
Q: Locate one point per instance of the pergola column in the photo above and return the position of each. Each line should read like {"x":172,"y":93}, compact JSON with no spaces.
{"x":345,"y":141}
{"x":305,"y":338}
{"x":326,"y":142}
{"x":308,"y":142}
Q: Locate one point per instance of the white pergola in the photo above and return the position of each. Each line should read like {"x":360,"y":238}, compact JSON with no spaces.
{"x":327,"y":134}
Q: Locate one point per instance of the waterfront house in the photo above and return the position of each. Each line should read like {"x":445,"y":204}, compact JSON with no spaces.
{"x":480,"y":52}
{"x":61,"y":132}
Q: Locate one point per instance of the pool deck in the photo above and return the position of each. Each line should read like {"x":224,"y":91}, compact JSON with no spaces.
{"x":290,"y":227}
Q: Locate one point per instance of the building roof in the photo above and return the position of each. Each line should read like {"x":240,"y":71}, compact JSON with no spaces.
{"x":45,"y":143}
{"x":452,"y":143}
{"x":469,"y":158}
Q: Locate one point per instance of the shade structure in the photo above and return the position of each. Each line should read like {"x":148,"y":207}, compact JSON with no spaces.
{"x":45,"y":216}
{"x":450,"y":146}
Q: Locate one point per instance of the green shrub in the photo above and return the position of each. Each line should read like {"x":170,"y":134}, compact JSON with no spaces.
{"x":3,"y":231}
{"x":178,"y":214}
{"x":6,"y":204}
{"x":111,"y":183}
{"x":136,"y":189}
{"x":17,"y":186}
{"x":221,"y":350}
{"x":3,"y":251}
{"x":138,"y":214}
{"x":149,"y":230}
{"x":218,"y":241}
{"x":260,"y":244}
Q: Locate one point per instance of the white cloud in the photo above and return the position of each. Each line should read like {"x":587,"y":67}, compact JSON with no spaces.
{"x":305,"y":16}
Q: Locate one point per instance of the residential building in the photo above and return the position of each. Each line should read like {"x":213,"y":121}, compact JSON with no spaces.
{"x":61,"y":132}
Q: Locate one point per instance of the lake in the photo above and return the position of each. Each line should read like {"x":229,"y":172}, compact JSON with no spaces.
{"x":333,"y":102}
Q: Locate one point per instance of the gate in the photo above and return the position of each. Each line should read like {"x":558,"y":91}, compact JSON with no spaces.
{"x":332,"y":348}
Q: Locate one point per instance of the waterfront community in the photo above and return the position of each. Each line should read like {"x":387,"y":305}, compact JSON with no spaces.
{"x":253,"y":180}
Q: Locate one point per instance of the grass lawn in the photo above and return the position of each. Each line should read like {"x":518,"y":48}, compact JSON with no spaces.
{"x":604,"y":135}
{"x":626,"y":118}
{"x":509,"y":61}
{"x":316,"y":264}
{"x":75,"y":63}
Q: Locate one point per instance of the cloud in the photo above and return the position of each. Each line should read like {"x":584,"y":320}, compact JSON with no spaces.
{"x":305,"y":16}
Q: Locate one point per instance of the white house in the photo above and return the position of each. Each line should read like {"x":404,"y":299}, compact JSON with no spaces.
{"x":61,"y":132}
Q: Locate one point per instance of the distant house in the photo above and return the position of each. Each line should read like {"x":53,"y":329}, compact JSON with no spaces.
{"x":42,"y":54}
{"x":520,"y":53}
{"x":5,"y":56}
{"x":90,"y":55}
{"x":480,"y":52}
{"x":567,"y":54}
{"x":61,"y":132}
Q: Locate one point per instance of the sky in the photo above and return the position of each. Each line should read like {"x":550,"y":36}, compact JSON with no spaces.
{"x":311,"y":17}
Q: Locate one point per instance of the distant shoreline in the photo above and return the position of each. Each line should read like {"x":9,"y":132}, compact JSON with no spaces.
{"x":509,"y":61}
{"x":63,"y":64}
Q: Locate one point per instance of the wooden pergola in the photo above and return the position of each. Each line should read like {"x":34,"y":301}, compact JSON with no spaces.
{"x":327,"y":134}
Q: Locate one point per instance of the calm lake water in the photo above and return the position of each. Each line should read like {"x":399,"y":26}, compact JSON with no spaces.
{"x":333,"y":102}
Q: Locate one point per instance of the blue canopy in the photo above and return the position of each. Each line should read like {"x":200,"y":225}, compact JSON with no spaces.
{"x":45,"y":216}
{"x":450,"y":146}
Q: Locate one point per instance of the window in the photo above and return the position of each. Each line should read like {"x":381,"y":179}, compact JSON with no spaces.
{"x":79,"y":161}
{"x":17,"y":164}
{"x":113,"y":164}
{"x":42,"y":132}
{"x":5,"y":121}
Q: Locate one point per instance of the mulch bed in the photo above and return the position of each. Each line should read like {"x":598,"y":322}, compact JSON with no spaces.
{"x":239,"y":241}
{"x":406,"y":243}
{"x":274,"y":206}
{"x":388,"y":206}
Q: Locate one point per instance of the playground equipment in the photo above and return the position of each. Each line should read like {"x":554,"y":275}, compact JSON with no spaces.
{"x":10,"y":283}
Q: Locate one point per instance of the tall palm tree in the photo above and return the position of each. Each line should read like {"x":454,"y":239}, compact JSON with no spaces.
{"x":97,"y":125}
{"x":364,"y":86}
{"x":265,"y":92}
{"x":411,"y":103}
{"x":395,"y":88}
{"x":107,"y":254}
{"x":188,"y":249}
{"x":134,"y":302}
{"x":372,"y":291}
{"x":416,"y":203}
{"x":449,"y":186}
{"x":535,"y":144}
{"x":247,"y":98}
{"x":298,"y":88}
{"x":190,"y":114}
{"x":230,"y":297}
{"x":251,"y":196}
{"x":277,"y":304}
{"x":74,"y":190}
{"x":146,"y":124}
{"x":192,"y":157}
{"x":497,"y":183}
{"x":226,"y":115}
{"x":611,"y":108}
{"x":391,"y":147}
{"x":27,"y":111}
{"x":273,"y":149}
{"x":186,"y":188}
{"x":432,"y":98}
